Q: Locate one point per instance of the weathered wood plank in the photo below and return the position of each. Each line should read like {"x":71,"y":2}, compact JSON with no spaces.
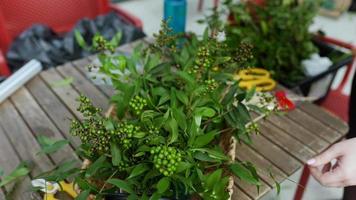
{"x":315,"y":126}
{"x":238,"y":194}
{"x":81,"y":64}
{"x":20,"y":135}
{"x":251,"y":190}
{"x":325,"y":116}
{"x":38,"y":122}
{"x":263,"y":166}
{"x":274,"y":154}
{"x":9,"y":160}
{"x":313,"y":141}
{"x":66,"y":93}
{"x":84,"y":86}
{"x":286,"y":142}
{"x":54,"y":108}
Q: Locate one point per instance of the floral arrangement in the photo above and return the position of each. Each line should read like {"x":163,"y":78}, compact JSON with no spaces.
{"x":175,"y":101}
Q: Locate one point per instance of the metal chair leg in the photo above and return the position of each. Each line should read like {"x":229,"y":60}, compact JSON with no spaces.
{"x":302,"y":183}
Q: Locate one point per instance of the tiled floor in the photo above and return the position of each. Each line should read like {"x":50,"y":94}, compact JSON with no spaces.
{"x":151,"y":12}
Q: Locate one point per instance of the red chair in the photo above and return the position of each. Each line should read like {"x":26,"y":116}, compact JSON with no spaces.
{"x":336,"y":102}
{"x":60,"y":15}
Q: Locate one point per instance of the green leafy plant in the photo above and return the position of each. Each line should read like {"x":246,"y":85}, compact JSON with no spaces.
{"x":19,"y":172}
{"x":278,"y":31}
{"x":175,"y":100}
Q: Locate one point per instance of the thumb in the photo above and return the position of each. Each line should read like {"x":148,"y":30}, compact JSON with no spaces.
{"x":327,"y":156}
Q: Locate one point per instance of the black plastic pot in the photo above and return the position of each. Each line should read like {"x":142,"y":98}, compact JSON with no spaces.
{"x":116,"y":196}
{"x":339,"y":59}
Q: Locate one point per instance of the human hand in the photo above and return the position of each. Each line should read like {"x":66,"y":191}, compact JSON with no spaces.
{"x":343,"y":172}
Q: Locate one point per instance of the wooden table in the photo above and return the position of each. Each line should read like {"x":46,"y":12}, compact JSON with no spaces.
{"x":42,"y":107}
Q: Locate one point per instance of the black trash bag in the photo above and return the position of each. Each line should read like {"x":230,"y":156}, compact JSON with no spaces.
{"x":41,"y":43}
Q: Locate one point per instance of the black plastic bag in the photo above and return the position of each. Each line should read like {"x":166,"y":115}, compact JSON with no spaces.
{"x":41,"y":43}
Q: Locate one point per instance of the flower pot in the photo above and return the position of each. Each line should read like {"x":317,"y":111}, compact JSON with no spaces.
{"x":339,"y":59}
{"x":116,"y":196}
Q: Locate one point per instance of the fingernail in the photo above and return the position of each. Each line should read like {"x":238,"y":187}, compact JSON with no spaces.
{"x":311,"y":161}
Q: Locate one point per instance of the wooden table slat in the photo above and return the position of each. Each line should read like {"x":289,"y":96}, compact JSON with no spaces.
{"x":21,"y":137}
{"x":251,"y":190}
{"x":66,"y":93}
{"x":9,"y":160}
{"x":263,"y":166}
{"x":313,"y":141}
{"x":53,"y":107}
{"x":274,"y":154}
{"x":286,"y":142}
{"x":85,"y":86}
{"x":314,"y":125}
{"x":38,"y":122}
{"x":239,"y":194}
{"x":325,"y":116}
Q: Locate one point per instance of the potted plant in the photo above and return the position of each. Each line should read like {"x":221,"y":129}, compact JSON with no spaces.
{"x":279,"y":33}
{"x":173,"y":124}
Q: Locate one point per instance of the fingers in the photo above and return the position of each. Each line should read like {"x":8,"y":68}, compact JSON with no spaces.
{"x":326,"y":168}
{"x":327,"y":156}
{"x":333,"y":178}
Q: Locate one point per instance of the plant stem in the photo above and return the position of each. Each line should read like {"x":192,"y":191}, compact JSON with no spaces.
{"x":105,"y":183}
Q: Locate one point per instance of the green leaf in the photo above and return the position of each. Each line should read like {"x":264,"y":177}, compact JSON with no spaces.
{"x":115,"y":41}
{"x":183,"y":166}
{"x":1,"y":171}
{"x":213,"y":178}
{"x":19,"y":172}
{"x":250,"y":94}
{"x":182,"y":97}
{"x":49,"y":145}
{"x":61,"y":83}
{"x":243,"y":173}
{"x":205,"y":112}
{"x":181,"y":118}
{"x":173,"y":126}
{"x":109,"y":125}
{"x":138,"y":170}
{"x":155,"y":196}
{"x":80,"y":40}
{"x":139,"y":134}
{"x":213,"y":153}
{"x":116,"y":154}
{"x":83,"y":195}
{"x":205,"y":139}
{"x":122,"y":62}
{"x":185,"y":76}
{"x":121,"y":184}
{"x":163,"y":185}
{"x":95,"y":166}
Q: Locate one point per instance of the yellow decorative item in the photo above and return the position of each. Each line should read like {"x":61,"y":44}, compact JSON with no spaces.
{"x":255,"y":77}
{"x":51,"y":188}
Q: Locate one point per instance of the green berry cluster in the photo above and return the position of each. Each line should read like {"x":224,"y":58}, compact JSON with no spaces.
{"x":137,"y":104}
{"x":165,"y":39}
{"x":91,"y":130}
{"x":210,"y":85}
{"x":166,"y":159}
{"x":101,"y":44}
{"x":86,"y":107}
{"x":125,"y":134}
{"x":243,"y":53}
{"x":204,"y":57}
{"x":122,"y":166}
{"x":253,"y":128}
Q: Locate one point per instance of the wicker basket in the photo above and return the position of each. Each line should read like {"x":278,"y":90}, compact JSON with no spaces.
{"x":227,"y":142}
